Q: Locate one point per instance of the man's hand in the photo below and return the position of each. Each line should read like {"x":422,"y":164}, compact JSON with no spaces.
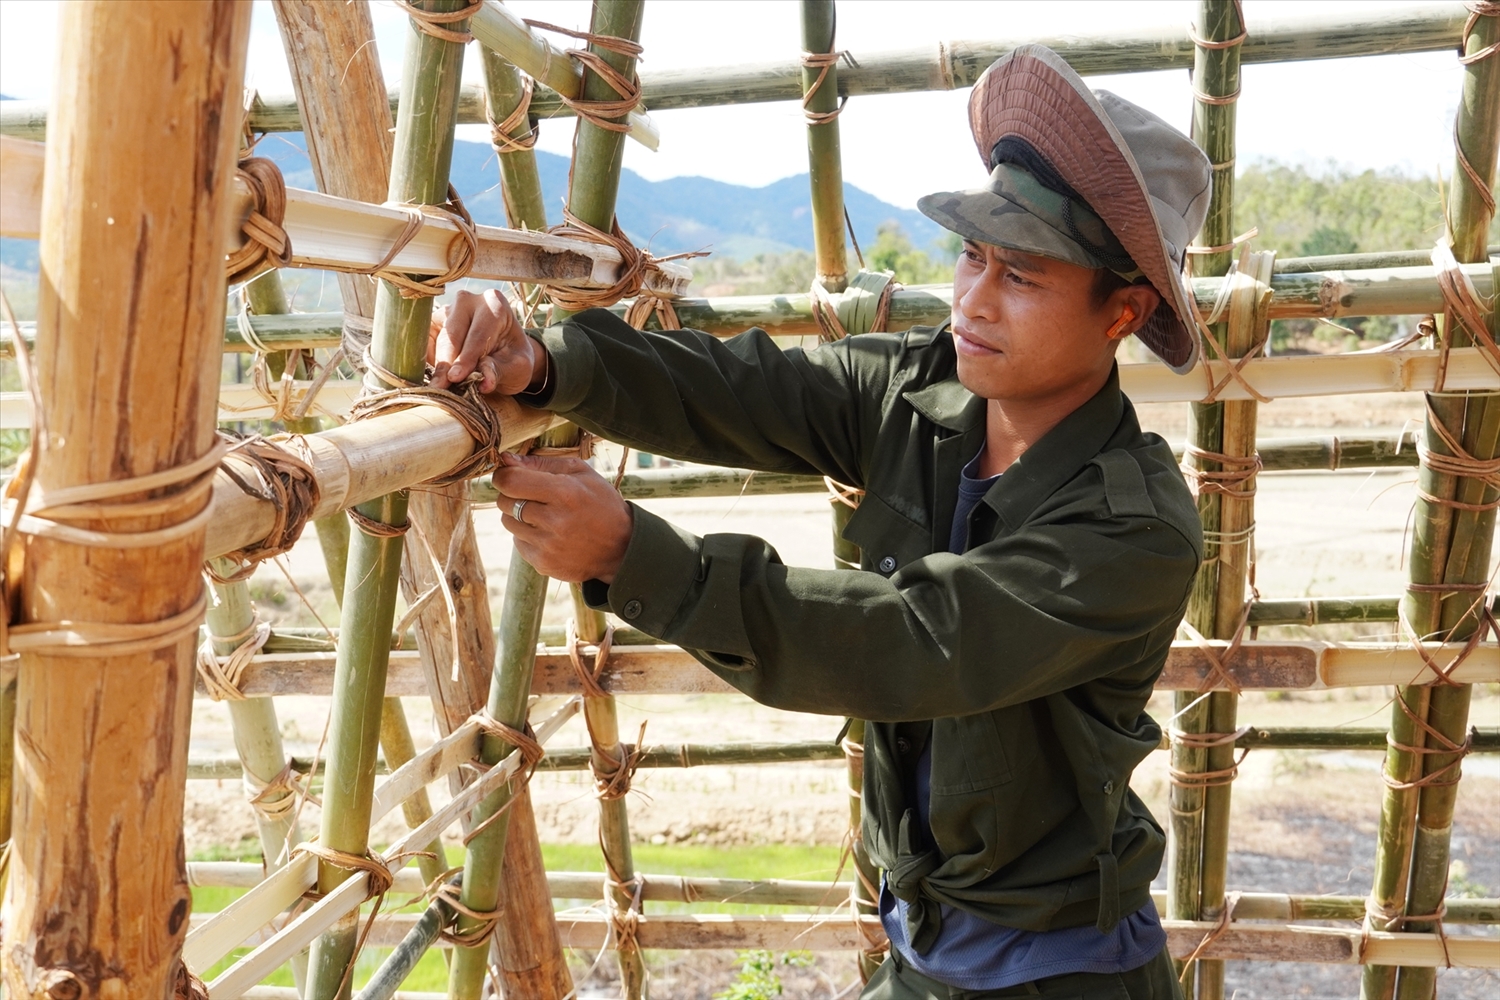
{"x":574,"y":525}
{"x":480,"y":334}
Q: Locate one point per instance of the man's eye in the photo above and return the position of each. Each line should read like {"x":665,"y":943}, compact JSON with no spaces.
{"x":973,"y":256}
{"x":1015,"y":278}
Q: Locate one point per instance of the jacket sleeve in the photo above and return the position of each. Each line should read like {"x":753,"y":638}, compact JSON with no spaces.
{"x":738,"y":402}
{"x":1035,"y":612}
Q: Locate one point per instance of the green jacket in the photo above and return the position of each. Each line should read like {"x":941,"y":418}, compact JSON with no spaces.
{"x":1027,"y":661}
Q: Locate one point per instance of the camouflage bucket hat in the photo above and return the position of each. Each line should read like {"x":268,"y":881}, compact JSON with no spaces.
{"x":1092,"y":180}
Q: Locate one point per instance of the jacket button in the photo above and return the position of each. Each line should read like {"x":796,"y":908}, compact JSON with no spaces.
{"x":632,"y":609}
{"x":888,"y":564}
{"x":903,"y":745}
{"x":1109,"y":788}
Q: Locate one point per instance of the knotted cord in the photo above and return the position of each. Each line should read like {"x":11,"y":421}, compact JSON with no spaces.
{"x":435,"y":23}
{"x":601,"y":113}
{"x":266,"y":243}
{"x":282,"y":479}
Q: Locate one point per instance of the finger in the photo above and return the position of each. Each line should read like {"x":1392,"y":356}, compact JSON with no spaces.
{"x":553,"y":465}
{"x":489,"y":371}
{"x":485,"y":330}
{"x":527,"y":484}
{"x":456,"y":331}
{"x":521,"y":529}
{"x":531,"y":514}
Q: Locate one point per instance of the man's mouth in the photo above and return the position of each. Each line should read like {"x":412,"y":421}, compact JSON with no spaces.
{"x":967,"y":343}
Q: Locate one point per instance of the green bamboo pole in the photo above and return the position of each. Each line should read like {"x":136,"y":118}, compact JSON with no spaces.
{"x":1467,"y":560}
{"x":1200,"y":815}
{"x":825,"y":169}
{"x":594,"y":183}
{"x":419,"y":174}
{"x":510,"y":687}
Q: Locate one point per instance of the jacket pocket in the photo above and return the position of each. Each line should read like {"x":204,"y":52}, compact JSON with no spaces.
{"x":887,"y":539}
{"x":968,"y":755}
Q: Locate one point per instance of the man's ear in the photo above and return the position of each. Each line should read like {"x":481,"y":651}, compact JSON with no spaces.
{"x":1133,"y":306}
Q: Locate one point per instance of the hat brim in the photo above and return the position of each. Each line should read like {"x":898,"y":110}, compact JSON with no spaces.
{"x":1033,"y":94}
{"x":986,"y":217}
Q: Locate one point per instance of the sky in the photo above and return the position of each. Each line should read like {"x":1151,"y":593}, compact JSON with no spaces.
{"x":1377,"y":112}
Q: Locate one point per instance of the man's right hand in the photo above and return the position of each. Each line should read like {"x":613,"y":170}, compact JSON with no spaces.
{"x":479,"y":333}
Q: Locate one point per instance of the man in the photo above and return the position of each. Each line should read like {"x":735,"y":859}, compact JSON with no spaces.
{"x":1027,"y":550}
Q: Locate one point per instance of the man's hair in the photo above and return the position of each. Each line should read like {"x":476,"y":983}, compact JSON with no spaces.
{"x":1106,"y":283}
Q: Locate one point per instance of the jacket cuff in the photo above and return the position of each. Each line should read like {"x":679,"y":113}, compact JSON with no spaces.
{"x":661,"y":565}
{"x":572,"y":357}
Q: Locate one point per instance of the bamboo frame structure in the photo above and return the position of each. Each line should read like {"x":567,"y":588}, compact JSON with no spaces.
{"x":946,"y":66}
{"x":371,"y":464}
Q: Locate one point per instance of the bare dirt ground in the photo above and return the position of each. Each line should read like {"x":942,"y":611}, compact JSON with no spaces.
{"x":1302,"y":822}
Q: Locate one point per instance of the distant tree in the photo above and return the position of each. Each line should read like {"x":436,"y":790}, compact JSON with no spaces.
{"x":1327,"y":241}
{"x":893,"y":251}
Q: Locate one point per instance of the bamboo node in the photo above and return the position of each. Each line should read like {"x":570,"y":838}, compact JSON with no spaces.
{"x":435,"y":23}
{"x":222,"y":675}
{"x":266,"y":243}
{"x":282,"y":479}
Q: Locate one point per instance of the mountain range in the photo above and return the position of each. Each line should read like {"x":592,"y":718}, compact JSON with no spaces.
{"x":670,"y":216}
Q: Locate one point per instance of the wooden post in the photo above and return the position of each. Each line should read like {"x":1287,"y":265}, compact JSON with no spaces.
{"x":1475,"y":421}
{"x":825,"y":168}
{"x":1199,"y":813}
{"x":423,"y":152}
{"x":129,"y":338}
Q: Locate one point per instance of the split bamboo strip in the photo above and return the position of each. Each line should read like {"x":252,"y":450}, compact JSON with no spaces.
{"x":945,"y":66}
{"x":1361,"y":261}
{"x":419,"y":175}
{"x":340,"y":233}
{"x":792,"y":892}
{"x":102,"y":738}
{"x":655,"y":669}
{"x":1198,"y":816}
{"x":505,"y":35}
{"x":1460,"y":555}
{"x":345,"y":900}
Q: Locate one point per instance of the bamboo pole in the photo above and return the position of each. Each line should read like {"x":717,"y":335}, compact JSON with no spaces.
{"x":594,"y":180}
{"x":825,"y":170}
{"x":1199,"y":814}
{"x":1323,"y":291}
{"x":947,"y":65}
{"x":419,"y":174}
{"x":97,"y":901}
{"x":1469,"y":542}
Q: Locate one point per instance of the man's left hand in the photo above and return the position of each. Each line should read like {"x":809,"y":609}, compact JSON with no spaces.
{"x":574,"y":526}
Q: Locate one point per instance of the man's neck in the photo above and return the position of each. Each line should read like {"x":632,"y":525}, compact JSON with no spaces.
{"x":1013,"y":426}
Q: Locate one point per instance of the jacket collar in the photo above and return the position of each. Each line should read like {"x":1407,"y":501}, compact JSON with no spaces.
{"x":947,"y":403}
{"x":1044,"y":467}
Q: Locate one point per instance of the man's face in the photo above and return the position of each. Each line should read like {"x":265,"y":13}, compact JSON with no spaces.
{"x":1025,"y":327}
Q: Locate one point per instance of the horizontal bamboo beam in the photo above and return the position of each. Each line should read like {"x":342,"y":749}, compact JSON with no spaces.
{"x":1358,"y":261}
{"x":1379,"y":30}
{"x":1149,"y":382}
{"x":1272,"y":611}
{"x":21,"y":192}
{"x":794,"y":892}
{"x":1329,"y":287}
{"x":661,"y":669}
{"x":720,"y":754}
{"x":838,"y":932}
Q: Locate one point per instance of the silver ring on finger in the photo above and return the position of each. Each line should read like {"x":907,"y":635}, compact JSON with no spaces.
{"x":517,"y":509}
